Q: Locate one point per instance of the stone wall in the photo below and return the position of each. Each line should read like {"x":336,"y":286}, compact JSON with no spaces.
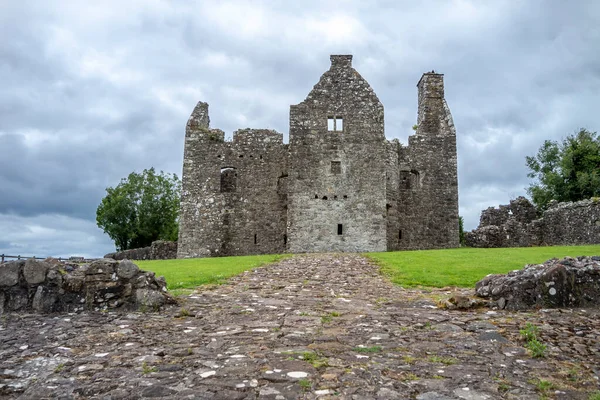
{"x":337,"y":165}
{"x":54,"y":286}
{"x":518,"y":225}
{"x":338,"y":186}
{"x":428,"y":202}
{"x":158,"y":250}
{"x":234,"y":194}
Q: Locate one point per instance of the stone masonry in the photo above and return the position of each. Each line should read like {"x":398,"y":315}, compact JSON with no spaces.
{"x":318,"y":327}
{"x":338,"y":185}
{"x":519,"y":224}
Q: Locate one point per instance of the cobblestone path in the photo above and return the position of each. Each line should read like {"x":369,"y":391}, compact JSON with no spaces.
{"x":315,"y":326}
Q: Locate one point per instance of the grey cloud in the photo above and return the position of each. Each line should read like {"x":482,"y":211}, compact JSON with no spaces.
{"x":93,"y":92}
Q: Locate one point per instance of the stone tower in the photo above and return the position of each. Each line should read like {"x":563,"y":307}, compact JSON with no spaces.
{"x":336,"y":193}
{"x":338,"y":186}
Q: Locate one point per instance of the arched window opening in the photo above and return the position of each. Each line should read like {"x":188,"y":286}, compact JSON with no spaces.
{"x":228,"y":179}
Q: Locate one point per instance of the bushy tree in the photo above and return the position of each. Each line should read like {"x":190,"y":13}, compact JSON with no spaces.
{"x":567,"y":171}
{"x":141,"y":209}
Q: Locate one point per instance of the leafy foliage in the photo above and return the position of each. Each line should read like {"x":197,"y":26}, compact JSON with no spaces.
{"x":567,"y":171}
{"x":141,"y":209}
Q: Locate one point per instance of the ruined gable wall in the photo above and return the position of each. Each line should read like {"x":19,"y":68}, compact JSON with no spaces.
{"x":319,"y":197}
{"x":428,"y":203}
{"x":215,"y":222}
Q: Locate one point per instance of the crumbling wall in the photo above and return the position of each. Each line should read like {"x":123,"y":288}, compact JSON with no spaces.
{"x":428,"y":202}
{"x":54,"y":286}
{"x":158,"y":250}
{"x":517,"y":225}
{"x":231,"y":201}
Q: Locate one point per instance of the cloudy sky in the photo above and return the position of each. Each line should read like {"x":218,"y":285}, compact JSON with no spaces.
{"x":93,"y":90}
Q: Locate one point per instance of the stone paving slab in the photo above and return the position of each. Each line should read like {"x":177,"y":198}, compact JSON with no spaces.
{"x":310,"y":327}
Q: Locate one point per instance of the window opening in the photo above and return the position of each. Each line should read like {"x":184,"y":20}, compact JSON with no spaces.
{"x":228,"y":179}
{"x":335,"y":124}
{"x":316,"y":196}
{"x":340,"y":229}
{"x":284,"y":239}
{"x":255,"y":238}
{"x":330,"y":124}
{"x":336,"y":167}
{"x":399,"y":234}
{"x":324,"y":197}
{"x":339,"y":124}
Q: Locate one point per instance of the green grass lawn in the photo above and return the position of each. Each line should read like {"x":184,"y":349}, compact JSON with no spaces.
{"x":465,"y":266}
{"x":191,"y":272}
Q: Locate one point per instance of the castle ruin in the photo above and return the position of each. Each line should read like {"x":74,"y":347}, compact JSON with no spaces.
{"x":338,"y":185}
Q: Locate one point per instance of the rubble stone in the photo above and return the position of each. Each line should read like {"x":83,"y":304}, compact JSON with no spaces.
{"x":570,"y":282}
{"x":101,"y":285}
{"x":518,"y":225}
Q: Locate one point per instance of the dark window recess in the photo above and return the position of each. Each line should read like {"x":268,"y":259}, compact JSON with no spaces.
{"x":388,"y":206}
{"x":340,"y":229}
{"x":404,"y":180}
{"x":324,"y":197}
{"x":284,"y":239}
{"x":335,"y":197}
{"x":336,"y":167}
{"x":316,"y":196}
{"x":255,"y":238}
{"x":345,"y":196}
{"x":399,"y":234}
{"x":241,"y":156}
{"x":228,"y":179}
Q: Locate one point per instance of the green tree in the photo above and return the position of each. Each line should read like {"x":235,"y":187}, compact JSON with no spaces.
{"x":567,"y":171}
{"x":141,"y":209}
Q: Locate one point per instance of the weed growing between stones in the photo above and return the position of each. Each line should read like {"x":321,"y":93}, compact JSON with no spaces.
{"x":146,"y":369}
{"x":59,"y":368}
{"x":442,"y":360}
{"x":305,"y":384}
{"x":314,"y":359}
{"x":503,"y":385}
{"x":536,"y":347}
{"x":329,"y":317}
{"x":542,"y":386}
{"x":409,"y":359}
{"x":372,"y":349}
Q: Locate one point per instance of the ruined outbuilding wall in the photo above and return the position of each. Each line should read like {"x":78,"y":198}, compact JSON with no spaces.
{"x":158,"y":250}
{"x":518,"y":225}
{"x":232,"y":201}
{"x":54,"y":286}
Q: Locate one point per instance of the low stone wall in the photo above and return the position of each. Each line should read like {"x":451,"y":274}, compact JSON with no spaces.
{"x":570,"y":282}
{"x":518,"y":225}
{"x":159,"y":250}
{"x":54,"y":286}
